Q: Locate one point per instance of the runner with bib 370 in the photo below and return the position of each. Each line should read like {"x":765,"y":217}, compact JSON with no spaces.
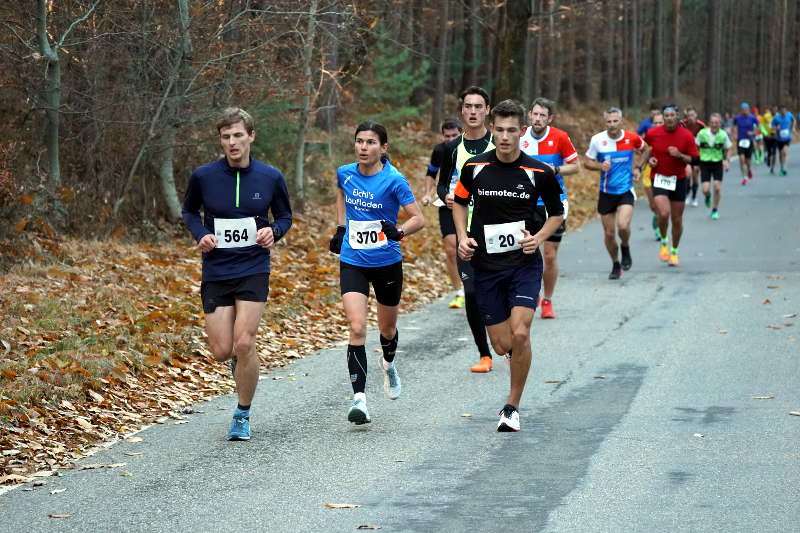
{"x":371,"y":192}
{"x":503,"y":240}
{"x":236,"y":193}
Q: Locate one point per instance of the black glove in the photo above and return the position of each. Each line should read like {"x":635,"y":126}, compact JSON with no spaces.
{"x":336,"y":241}
{"x":391,"y":231}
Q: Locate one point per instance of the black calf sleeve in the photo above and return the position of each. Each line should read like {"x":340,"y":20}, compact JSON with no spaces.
{"x":389,"y":347}
{"x":357,"y":365}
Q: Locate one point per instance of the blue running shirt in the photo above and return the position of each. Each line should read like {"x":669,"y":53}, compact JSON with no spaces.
{"x":367,"y":201}
{"x":619,"y":178}
{"x":783,"y":126}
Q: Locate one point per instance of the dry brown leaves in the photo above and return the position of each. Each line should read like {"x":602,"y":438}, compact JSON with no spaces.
{"x":107,"y":337}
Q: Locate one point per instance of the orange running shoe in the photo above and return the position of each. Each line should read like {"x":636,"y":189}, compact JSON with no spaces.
{"x":547,"y":308}
{"x":673,"y":259}
{"x":483,"y":366}
{"x":663,"y":252}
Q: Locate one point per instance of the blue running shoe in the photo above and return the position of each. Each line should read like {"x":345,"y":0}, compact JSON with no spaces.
{"x":240,"y":428}
{"x":358,"y":413}
{"x":391,"y":381}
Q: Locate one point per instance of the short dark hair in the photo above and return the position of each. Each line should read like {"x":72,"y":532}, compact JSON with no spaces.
{"x":545,"y":103}
{"x":654,"y":107}
{"x":509,"y":108}
{"x":375,"y":127}
{"x":451,"y":123}
{"x":474,"y":89}
{"x":234,"y":115}
{"x":690,"y":108}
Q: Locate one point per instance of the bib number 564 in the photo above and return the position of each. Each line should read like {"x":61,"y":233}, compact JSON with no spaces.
{"x":235,"y":235}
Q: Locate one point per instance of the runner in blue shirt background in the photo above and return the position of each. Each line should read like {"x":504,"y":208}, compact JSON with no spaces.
{"x":647,"y":122}
{"x":371,"y":192}
{"x":784,"y":124}
{"x":745,"y":127}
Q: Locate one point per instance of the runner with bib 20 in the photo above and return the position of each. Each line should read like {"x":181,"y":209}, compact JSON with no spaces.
{"x":371,"y":192}
{"x":235,"y":235}
{"x":503,"y":239}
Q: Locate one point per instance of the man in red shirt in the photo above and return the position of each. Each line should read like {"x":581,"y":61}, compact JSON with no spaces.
{"x":670,"y":148}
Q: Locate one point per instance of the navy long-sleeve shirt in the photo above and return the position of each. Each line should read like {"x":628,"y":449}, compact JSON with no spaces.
{"x":226,"y":192}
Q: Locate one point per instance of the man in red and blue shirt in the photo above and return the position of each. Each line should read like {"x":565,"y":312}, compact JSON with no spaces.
{"x":612,"y":153}
{"x":550,"y":145}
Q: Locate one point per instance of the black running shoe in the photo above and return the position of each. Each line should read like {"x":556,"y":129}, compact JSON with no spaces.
{"x":616,"y":271}
{"x":627,"y":262}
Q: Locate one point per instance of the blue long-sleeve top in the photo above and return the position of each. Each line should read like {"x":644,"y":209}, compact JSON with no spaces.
{"x":226,"y":192}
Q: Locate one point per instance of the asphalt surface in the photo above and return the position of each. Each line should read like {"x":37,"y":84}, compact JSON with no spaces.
{"x":671,"y":411}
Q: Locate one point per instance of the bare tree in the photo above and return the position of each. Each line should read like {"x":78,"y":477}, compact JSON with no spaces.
{"x":441,"y":66}
{"x":308,"y":51}
{"x":676,"y":47}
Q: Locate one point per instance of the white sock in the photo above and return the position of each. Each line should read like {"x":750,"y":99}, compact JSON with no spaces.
{"x":460,"y":292}
{"x":360,"y":396}
{"x":386,"y":364}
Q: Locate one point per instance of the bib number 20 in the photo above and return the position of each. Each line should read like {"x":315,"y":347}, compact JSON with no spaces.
{"x":506,"y":241}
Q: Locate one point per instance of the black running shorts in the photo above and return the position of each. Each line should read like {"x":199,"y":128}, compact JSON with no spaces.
{"x":746,"y":152}
{"x":711,"y":170}
{"x":446,"y":224}
{"x":608,"y":203}
{"x":541,"y":216}
{"x":499,"y":291}
{"x":387,"y":281}
{"x":224,"y":293}
{"x":782,"y":144}
{"x":678,"y":195}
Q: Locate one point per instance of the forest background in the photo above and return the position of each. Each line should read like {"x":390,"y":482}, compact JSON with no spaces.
{"x":110,"y":104}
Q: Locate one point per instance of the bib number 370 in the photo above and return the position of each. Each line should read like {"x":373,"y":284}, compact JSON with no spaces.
{"x":235,"y":232}
{"x":366,"y":235}
{"x":502,"y":238}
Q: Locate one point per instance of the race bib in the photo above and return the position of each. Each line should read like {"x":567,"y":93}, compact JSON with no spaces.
{"x":744,"y":143}
{"x":785,"y":134}
{"x":503,"y":237}
{"x":665,"y":182}
{"x":366,"y":235}
{"x":235,"y":232}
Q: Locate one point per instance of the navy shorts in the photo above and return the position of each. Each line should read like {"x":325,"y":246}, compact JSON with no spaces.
{"x":224,"y":293}
{"x":497,"y":291}
{"x":608,"y":203}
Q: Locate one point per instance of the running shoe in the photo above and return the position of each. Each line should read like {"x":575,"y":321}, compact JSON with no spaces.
{"x":658,"y":234}
{"x":391,"y":381}
{"x":750,"y":173}
{"x":457,"y":302}
{"x":627,"y":261}
{"x":616,"y":271}
{"x":715,"y":215}
{"x":744,"y":181}
{"x":708,"y":200}
{"x":547,"y":309}
{"x":783,"y":172}
{"x":240,"y":428}
{"x":358,"y":413}
{"x":694,"y":202}
{"x":673,"y":259}
{"x":663,"y":252}
{"x":509,"y":419}
{"x":483,"y":366}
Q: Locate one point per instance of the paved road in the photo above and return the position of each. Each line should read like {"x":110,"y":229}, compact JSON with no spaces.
{"x":621,"y":453}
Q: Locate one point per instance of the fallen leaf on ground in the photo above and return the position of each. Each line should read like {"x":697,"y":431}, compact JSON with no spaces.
{"x":134,"y":439}
{"x":794,"y":413}
{"x":181,"y":422}
{"x":698,"y":435}
{"x":599,"y":377}
{"x":57,"y":491}
{"x":54,"y":515}
{"x":368,"y":527}
{"x":772,"y":326}
{"x":790,"y":315}
{"x":94,"y":396}
{"x":341,"y":505}
{"x":126,"y":474}
{"x":722,"y":331}
{"x":763,"y":397}
{"x":766,"y":301}
{"x":44,"y":473}
{"x":13,"y":478}
{"x":466,"y":415}
{"x":772,"y":286}
{"x":553,"y":381}
{"x":133,"y":454}
{"x":40,"y":482}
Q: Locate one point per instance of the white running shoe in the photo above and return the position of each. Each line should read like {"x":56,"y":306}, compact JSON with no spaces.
{"x":695,"y":203}
{"x":509,"y":419}
{"x":391,"y":380}
{"x":358,"y":413}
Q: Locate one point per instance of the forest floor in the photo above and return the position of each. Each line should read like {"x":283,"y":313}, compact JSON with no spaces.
{"x":99,"y":339}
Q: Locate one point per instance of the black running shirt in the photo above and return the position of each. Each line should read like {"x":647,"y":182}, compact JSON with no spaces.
{"x":505,"y":196}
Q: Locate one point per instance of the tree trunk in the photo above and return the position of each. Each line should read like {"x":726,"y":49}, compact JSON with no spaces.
{"x":326,"y":115}
{"x":607,"y":85}
{"x":511,"y":64}
{"x":658,"y":59}
{"x":52,"y":98}
{"x":713,"y":59}
{"x":572,"y":36}
{"x":536,"y":86}
{"x":636,"y":89}
{"x":676,"y":47}
{"x":441,"y":67}
{"x":780,"y":72}
{"x":528,"y":72}
{"x":555,"y":53}
{"x":308,"y":51}
{"x":472,"y":43}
